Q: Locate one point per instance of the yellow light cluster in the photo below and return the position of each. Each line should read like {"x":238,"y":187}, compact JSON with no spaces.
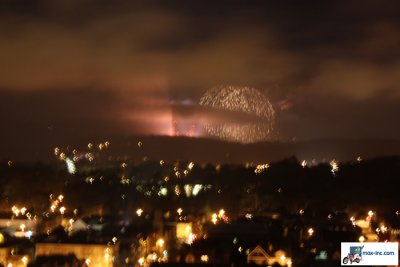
{"x":260,"y":168}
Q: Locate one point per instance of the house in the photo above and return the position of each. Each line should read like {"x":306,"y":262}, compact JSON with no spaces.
{"x":260,"y":257}
{"x":14,"y":252}
{"x":18,"y":226}
{"x":95,"y":223}
{"x":93,"y":254}
{"x":92,"y":247}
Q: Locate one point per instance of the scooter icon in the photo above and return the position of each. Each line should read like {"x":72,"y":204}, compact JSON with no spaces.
{"x":354,"y":255}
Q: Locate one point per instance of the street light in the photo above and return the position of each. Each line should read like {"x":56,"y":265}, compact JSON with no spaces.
{"x":160,"y":243}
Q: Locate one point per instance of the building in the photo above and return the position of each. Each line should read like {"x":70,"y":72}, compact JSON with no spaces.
{"x":93,"y":254}
{"x":260,"y":257}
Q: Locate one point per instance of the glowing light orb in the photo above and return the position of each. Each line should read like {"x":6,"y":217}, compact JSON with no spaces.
{"x":258,"y":122}
{"x":70,"y":166}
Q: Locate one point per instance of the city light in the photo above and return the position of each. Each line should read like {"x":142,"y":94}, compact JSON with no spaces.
{"x":139,"y":212}
{"x":160,"y":242}
{"x":214,"y":218}
{"x":70,"y":166}
{"x":62,"y":210}
{"x":23,"y":210}
{"x":179,"y":211}
{"x":221,"y":213}
{"x":25,"y":260}
{"x":192,"y":238}
{"x":204,"y":258}
{"x":304,"y":163}
{"x":53,"y":207}
{"x":190,"y":165}
{"x":371,"y":213}
{"x":248,"y":216}
{"x":310,"y":231}
{"x":15,"y":210}
{"x":334,"y":166}
{"x":261,"y":168}
{"x":196,"y":189}
{"x":185,"y":229}
{"x":141,"y":261}
{"x":63,"y":156}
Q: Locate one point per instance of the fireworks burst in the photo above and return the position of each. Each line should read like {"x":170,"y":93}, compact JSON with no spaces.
{"x":245,"y":100}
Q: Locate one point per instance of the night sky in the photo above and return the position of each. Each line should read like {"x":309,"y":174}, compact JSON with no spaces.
{"x":75,"y":70}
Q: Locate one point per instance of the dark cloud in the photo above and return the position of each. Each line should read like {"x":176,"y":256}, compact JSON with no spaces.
{"x":336,"y":117}
{"x":36,"y":121}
